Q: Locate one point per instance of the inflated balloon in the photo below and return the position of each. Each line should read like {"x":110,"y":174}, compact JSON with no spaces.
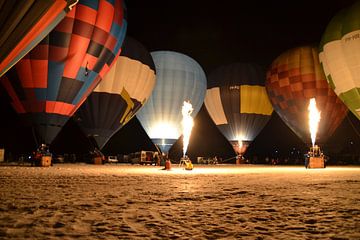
{"x":49,"y":84}
{"x":292,"y":80}
{"x":121,"y":93}
{"x":179,"y":78}
{"x":237,"y":102}
{"x":24,"y":24}
{"x":340,"y":56}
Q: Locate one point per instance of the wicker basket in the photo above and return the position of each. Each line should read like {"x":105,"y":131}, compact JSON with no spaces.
{"x":316,"y":162}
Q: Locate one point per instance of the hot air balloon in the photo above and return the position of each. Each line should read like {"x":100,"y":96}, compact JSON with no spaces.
{"x":179,"y":78}
{"x":237,"y":102}
{"x":24,"y":24}
{"x":340,"y":56}
{"x":121,"y":93}
{"x":49,"y":84}
{"x":292,"y":80}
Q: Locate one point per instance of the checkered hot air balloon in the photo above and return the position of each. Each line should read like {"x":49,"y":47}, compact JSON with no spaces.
{"x":118,"y":97}
{"x":24,"y":24}
{"x":237,"y":102}
{"x":340,"y":56}
{"x":292,"y":80}
{"x":48,"y":85}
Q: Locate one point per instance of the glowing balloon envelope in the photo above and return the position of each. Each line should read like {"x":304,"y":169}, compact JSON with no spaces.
{"x":50,"y":83}
{"x":179,"y":78}
{"x":340,"y":56}
{"x":292,"y":80}
{"x":24,"y":24}
{"x":121,"y":93}
{"x":237,"y":102}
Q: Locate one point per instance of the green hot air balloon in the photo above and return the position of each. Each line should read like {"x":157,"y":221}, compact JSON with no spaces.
{"x":340,"y":56}
{"x":237,"y":102}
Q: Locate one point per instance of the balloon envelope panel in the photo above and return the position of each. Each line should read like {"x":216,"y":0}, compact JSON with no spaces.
{"x":237,"y":102}
{"x":179,"y":78}
{"x":49,"y":84}
{"x":121,"y":93}
{"x":340,"y":56}
{"x":24,"y":24}
{"x":292,"y":80}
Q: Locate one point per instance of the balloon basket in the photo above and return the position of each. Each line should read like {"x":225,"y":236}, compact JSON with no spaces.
{"x":315,"y":158}
{"x":97,"y":160}
{"x":316,"y":162}
{"x":45,"y":161}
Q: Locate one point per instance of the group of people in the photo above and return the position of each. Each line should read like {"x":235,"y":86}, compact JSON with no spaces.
{"x":43,"y":150}
{"x":314,"y":152}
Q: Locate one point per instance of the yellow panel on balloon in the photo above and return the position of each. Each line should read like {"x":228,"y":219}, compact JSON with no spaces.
{"x":254,"y":100}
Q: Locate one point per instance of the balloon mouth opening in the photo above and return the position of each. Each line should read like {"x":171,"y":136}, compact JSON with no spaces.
{"x":240,"y":146}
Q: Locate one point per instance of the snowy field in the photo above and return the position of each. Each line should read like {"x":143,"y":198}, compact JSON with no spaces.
{"x":82,"y":201}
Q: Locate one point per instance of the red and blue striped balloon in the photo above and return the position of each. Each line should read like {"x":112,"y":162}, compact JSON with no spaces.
{"x":49,"y":84}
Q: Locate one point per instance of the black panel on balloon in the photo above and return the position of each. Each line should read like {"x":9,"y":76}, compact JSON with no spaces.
{"x":237,"y":74}
{"x":47,"y":126}
{"x":135,"y":50}
{"x":68,"y":90}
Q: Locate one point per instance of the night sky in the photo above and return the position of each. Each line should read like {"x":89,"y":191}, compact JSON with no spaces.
{"x":214,"y":34}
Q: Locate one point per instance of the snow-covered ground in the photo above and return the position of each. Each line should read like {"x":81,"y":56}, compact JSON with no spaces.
{"x":82,"y":201}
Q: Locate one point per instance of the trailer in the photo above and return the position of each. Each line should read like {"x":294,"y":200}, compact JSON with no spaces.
{"x":209,"y":160}
{"x":145,"y":157}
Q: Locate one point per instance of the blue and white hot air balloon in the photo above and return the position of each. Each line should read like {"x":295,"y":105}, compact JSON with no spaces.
{"x":179,"y":78}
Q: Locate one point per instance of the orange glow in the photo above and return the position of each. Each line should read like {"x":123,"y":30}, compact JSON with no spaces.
{"x":314,"y":119}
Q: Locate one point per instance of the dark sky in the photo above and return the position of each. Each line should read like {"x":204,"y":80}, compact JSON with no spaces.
{"x":230,"y":31}
{"x":213,"y":33}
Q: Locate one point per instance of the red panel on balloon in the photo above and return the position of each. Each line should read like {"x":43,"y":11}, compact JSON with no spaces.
{"x":296,"y":83}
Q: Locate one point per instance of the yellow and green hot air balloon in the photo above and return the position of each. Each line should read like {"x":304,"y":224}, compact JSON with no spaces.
{"x":340,"y":56}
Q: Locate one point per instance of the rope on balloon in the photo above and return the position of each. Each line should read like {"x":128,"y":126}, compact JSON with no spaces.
{"x":352,"y":125}
{"x":228,"y":159}
{"x":34,"y":136}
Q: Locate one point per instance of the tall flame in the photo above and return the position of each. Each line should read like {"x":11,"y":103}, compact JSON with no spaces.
{"x":314,"y":119}
{"x":187,"y":124}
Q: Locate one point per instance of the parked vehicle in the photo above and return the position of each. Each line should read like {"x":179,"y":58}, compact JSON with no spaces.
{"x":144,"y":157}
{"x":203,"y":160}
{"x":112,"y":159}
